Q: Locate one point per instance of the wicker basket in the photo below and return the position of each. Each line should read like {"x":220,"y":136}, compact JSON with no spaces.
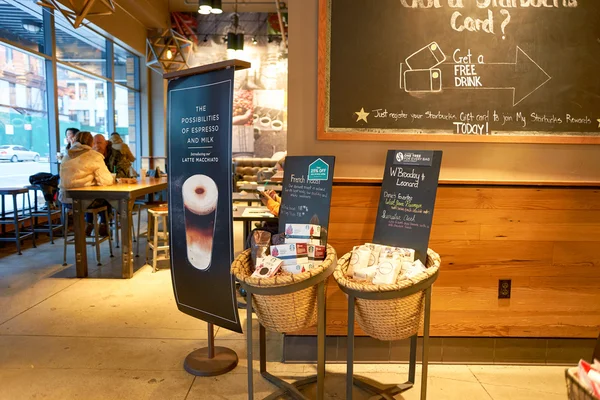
{"x":392,"y":319}
{"x":287,"y":312}
{"x":574,"y":389}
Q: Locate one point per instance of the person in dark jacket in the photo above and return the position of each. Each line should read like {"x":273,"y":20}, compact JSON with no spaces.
{"x":113,"y":159}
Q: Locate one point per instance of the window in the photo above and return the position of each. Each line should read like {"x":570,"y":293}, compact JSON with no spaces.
{"x":80,"y":47}
{"x":126,"y":68}
{"x":83,"y":92}
{"x":76,"y":111}
{"x":22,"y":24}
{"x":99,"y":90}
{"x":86,"y":87}
{"x":23,"y":115}
{"x":126,"y":101}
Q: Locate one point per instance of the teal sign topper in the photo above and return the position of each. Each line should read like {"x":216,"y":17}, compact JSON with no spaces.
{"x":318,"y":170}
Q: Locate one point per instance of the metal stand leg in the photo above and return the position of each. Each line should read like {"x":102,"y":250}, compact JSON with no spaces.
{"x":425,"y":360}
{"x":350,"y":355}
{"x":212,"y":360}
{"x":321,"y":337}
{"x":379,"y":391}
{"x":285,"y":388}
{"x":249,"y":347}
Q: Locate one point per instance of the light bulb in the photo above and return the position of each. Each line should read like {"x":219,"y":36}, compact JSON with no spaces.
{"x":169,"y":54}
{"x":204,"y":11}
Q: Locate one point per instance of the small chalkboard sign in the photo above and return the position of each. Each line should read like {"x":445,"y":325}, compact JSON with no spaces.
{"x":407,"y":199}
{"x":306,"y":198}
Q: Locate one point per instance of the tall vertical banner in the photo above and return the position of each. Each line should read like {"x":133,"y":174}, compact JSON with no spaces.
{"x":199,"y":159}
{"x":407,"y":200}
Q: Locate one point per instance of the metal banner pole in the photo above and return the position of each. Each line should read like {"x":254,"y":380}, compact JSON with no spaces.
{"x":211,"y":360}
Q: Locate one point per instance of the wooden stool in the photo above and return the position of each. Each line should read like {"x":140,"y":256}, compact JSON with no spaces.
{"x":96,"y":241}
{"x":18,"y":217}
{"x":141,"y":205}
{"x":158,"y":240}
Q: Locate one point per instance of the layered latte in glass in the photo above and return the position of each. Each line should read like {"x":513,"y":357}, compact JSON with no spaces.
{"x":200,"y":195}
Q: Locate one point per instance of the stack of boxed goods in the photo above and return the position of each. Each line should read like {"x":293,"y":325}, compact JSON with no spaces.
{"x":588,"y":376}
{"x":298,"y":250}
{"x":383,"y":265}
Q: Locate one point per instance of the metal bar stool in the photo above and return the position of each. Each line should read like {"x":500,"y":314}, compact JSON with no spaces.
{"x":116,"y":226}
{"x":158,"y":240}
{"x":49,"y":213}
{"x":18,"y":218}
{"x":96,"y":241}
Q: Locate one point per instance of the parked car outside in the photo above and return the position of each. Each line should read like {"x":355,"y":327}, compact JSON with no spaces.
{"x":15,"y":153}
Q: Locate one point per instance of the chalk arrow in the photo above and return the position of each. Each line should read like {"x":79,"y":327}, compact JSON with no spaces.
{"x":523,"y":77}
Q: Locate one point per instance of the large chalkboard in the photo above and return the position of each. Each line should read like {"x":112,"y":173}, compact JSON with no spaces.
{"x":478,"y":69}
{"x":407,"y":200}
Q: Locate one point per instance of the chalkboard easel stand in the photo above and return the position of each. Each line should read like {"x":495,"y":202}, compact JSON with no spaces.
{"x":290,"y":389}
{"x":388,"y":391}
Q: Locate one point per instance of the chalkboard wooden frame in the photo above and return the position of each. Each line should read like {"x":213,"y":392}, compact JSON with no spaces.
{"x":324,"y":132}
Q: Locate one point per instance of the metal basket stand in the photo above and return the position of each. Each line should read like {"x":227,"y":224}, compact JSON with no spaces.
{"x":388,"y":391}
{"x":291,"y":389}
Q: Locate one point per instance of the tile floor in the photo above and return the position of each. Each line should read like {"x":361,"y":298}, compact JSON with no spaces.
{"x":107,"y":338}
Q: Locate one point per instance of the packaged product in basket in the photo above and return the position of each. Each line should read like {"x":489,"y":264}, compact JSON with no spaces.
{"x":589,"y":376}
{"x":310,"y":266}
{"x":359,"y":260}
{"x":268,"y":268}
{"x":294,"y":269}
{"x":316,"y":252}
{"x":303,"y":233}
{"x":291,"y":253}
{"x":278,"y":239}
{"x":388,"y":271}
{"x":259,"y":245}
{"x":375,"y":252}
{"x":305,"y":241}
{"x":366,"y":274}
{"x":407,"y":254}
{"x":412,"y":269}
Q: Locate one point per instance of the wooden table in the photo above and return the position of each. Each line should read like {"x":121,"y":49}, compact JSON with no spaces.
{"x":238,"y":215}
{"x":248,"y":198}
{"x":121,"y":196}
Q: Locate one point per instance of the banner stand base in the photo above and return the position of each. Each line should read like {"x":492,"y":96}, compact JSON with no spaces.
{"x":211,"y":360}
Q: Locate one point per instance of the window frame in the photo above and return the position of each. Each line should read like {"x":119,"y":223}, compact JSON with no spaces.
{"x":51,"y":64}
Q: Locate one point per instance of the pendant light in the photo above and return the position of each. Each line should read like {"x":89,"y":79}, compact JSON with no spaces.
{"x":77,"y":11}
{"x":217,"y":7}
{"x":204,"y":6}
{"x":168,"y":52}
{"x":235,"y":33}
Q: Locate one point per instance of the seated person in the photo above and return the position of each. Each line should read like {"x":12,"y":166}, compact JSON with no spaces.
{"x":81,"y":167}
{"x":114,"y":160}
{"x":272,"y":200}
{"x":119,"y":145}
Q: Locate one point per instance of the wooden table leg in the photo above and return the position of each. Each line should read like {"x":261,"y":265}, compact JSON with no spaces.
{"x":80,"y":245}
{"x":126,"y":250}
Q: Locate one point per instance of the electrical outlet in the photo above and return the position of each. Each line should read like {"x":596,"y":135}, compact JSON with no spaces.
{"x":504,"y":286}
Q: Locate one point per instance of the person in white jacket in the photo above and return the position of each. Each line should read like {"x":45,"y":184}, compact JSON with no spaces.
{"x":83,"y":167}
